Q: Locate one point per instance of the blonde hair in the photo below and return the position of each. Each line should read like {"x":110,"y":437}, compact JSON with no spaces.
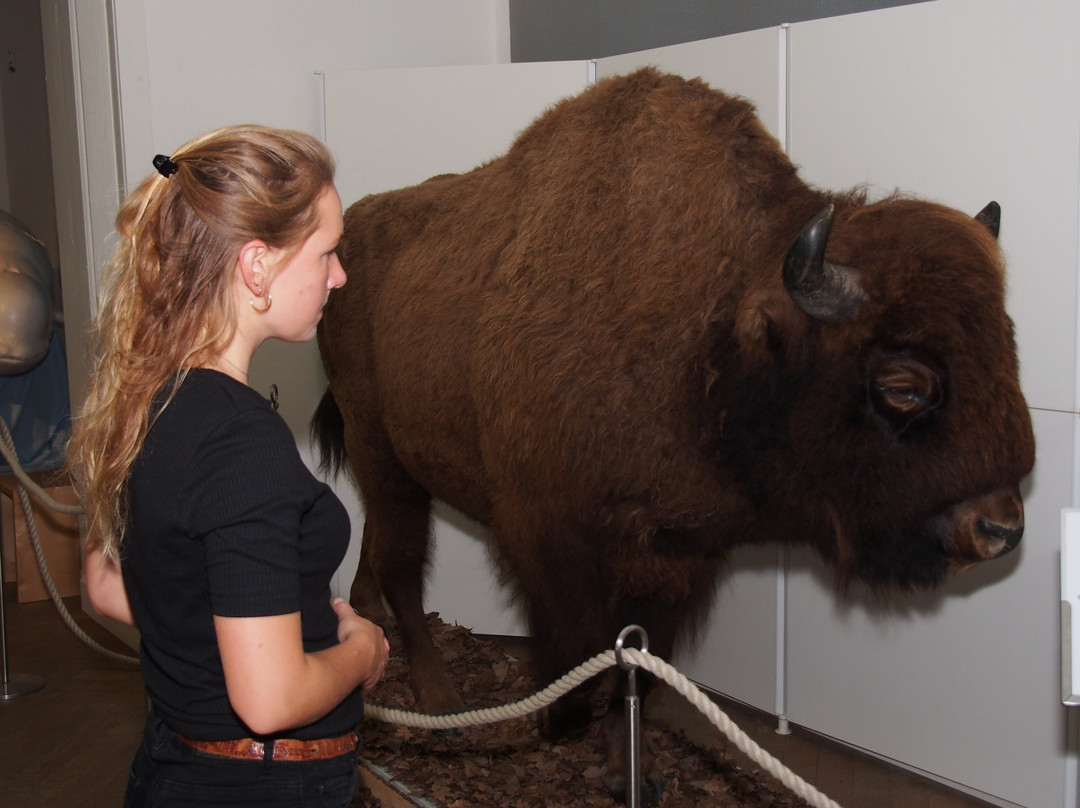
{"x":168,"y":304}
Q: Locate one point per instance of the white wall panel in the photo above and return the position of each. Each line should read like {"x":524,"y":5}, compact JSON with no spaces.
{"x":961,"y":101}
{"x":395,"y":128}
{"x":211,"y":63}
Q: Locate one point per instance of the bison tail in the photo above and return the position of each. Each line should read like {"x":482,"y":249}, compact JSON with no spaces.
{"x":328,"y":434}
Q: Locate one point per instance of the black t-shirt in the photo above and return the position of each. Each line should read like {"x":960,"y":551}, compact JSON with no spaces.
{"x":225,"y":519}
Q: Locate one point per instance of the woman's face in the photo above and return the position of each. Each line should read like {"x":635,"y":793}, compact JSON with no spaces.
{"x":302,"y":284}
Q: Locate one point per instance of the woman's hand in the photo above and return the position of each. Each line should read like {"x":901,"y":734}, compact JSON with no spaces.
{"x":274,"y":685}
{"x":353,"y":628}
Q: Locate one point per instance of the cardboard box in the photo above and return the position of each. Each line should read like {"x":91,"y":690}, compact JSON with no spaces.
{"x":59,"y":534}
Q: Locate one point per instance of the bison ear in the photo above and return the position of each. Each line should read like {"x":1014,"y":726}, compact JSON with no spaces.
{"x":764,"y":323}
{"x":990,"y":218}
{"x":827,"y":292}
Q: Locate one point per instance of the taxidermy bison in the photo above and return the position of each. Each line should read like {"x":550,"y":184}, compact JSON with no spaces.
{"x":637,"y":340}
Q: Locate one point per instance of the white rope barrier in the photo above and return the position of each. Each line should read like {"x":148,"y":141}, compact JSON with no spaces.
{"x":586,"y":671}
{"x":492,"y":715}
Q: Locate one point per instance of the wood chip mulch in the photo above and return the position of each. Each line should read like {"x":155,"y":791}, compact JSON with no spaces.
{"x":509,"y":765}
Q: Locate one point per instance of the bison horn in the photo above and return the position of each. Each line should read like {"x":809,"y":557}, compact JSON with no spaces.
{"x":990,"y":217}
{"x":825,"y":291}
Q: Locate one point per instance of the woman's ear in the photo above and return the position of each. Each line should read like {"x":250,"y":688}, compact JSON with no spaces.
{"x":252,"y":263}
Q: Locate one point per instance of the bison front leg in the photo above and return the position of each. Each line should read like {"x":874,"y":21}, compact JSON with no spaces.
{"x":661,"y":621}
{"x":393,"y":560}
{"x":664,"y":618}
{"x":567,"y":600}
{"x":561,"y":593}
{"x":614,"y":738}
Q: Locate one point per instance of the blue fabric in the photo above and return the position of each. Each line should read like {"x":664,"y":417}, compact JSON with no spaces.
{"x":167,"y":773}
{"x":36,"y":407}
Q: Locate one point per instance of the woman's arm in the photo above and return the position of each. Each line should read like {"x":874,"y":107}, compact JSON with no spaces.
{"x":274,"y":685}
{"x":105,"y":586}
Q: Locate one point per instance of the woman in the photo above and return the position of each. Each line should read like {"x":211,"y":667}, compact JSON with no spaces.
{"x":205,"y":528}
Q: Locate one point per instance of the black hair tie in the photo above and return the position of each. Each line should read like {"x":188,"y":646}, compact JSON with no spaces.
{"x":165,"y":166}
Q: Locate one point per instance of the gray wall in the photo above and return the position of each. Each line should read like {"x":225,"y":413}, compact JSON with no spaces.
{"x":551,"y":30}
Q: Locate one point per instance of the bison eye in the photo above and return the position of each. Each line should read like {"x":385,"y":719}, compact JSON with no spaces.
{"x":903,"y":388}
{"x":902,"y":397}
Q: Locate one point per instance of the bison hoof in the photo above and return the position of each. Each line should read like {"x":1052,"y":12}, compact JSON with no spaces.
{"x":652,"y":789}
{"x":435,"y":700}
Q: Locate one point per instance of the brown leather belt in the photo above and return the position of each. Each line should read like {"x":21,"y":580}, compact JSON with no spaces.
{"x":284,"y":748}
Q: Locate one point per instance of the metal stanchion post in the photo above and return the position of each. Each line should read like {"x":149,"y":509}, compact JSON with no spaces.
{"x":633,"y":717}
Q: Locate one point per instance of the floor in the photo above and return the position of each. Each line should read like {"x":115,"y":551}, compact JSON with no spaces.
{"x":69,"y":744}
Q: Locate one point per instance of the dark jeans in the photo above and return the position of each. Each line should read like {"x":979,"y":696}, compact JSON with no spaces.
{"x":167,"y":773}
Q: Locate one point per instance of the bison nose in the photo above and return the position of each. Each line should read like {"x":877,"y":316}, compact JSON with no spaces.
{"x":1002,"y":536}
{"x":986,"y":527}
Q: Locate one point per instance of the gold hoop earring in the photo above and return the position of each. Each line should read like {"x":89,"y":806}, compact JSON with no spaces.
{"x":264,"y":309}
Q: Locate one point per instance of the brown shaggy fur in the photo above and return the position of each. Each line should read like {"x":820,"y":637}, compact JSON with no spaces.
{"x":587,"y":345}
